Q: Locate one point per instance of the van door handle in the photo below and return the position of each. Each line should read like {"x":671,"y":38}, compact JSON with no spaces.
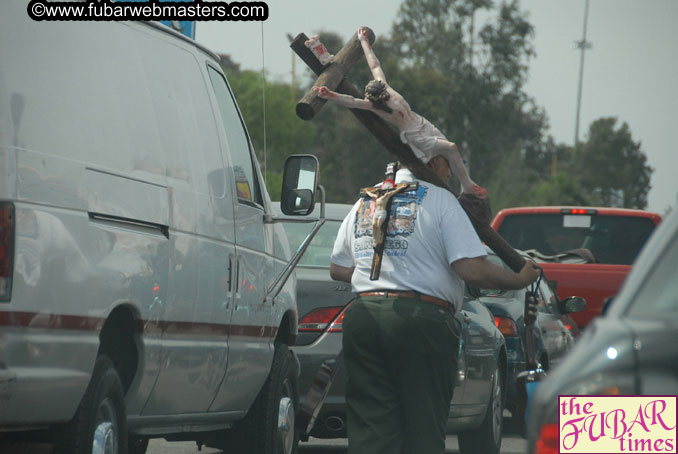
{"x":230,"y":273}
{"x":237,"y":275}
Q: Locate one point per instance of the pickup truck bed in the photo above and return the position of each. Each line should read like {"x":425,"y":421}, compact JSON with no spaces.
{"x":611,"y":238}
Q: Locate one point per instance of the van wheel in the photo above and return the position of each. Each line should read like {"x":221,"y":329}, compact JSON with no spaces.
{"x":487,"y":437}
{"x":269,"y":427}
{"x":100,"y":423}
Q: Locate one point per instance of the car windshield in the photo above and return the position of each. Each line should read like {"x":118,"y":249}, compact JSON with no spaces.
{"x":318,"y":253}
{"x":614,"y":240}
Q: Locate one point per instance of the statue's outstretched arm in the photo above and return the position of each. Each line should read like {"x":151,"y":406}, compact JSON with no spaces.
{"x":343,"y":100}
{"x":372,"y":60}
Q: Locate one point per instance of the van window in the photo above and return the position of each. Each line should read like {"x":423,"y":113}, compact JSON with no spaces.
{"x":238,"y":142}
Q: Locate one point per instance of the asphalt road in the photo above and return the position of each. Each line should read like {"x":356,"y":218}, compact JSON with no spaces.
{"x":511,"y":444}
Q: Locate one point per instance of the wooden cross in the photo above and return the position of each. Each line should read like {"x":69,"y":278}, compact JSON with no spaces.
{"x":332,"y":76}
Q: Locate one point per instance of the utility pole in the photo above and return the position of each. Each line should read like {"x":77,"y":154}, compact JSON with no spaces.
{"x":583,"y":46}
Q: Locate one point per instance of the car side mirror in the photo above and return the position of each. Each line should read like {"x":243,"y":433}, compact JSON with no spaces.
{"x":574,"y":304}
{"x":300,"y":181}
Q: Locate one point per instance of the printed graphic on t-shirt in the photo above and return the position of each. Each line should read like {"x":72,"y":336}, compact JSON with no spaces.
{"x":402,"y":219}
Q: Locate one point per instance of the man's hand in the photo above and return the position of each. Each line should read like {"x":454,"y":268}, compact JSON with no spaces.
{"x":531,"y":309}
{"x":529,"y":273}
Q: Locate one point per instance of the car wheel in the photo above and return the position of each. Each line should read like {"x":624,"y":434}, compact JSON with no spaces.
{"x":269,"y":427}
{"x":100,"y":423}
{"x":487,"y":437}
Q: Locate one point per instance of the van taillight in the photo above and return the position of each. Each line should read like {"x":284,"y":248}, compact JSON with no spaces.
{"x":6,"y":250}
{"x":548,"y":441}
{"x":319,"y":319}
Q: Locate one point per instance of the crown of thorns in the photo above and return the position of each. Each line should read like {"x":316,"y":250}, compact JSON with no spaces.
{"x":375,"y":91}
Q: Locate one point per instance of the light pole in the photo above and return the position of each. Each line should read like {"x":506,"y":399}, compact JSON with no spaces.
{"x":582,"y":45}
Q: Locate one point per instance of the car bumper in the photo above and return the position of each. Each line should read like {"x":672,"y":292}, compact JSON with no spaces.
{"x":331,"y":421}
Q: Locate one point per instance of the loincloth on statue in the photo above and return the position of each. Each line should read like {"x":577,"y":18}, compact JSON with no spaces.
{"x":422,"y":139}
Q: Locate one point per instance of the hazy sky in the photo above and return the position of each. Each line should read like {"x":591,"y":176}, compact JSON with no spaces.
{"x":630,"y":73}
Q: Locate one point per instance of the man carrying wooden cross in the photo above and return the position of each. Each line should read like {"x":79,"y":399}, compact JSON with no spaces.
{"x":400,"y":339}
{"x":424,"y":139}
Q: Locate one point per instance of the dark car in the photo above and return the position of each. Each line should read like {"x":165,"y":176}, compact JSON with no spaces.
{"x":554,"y":329}
{"x":631,"y":350}
{"x":477,"y":406}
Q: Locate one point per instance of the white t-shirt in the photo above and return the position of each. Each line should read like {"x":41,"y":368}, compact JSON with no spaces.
{"x":428,"y":230}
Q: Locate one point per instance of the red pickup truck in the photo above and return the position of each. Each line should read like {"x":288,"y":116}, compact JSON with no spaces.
{"x":585,"y":251}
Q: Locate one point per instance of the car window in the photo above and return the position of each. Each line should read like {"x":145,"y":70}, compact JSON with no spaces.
{"x":658,"y":296}
{"x":319,"y":251}
{"x":238,"y":143}
{"x":495,"y":292}
{"x":614,"y":240}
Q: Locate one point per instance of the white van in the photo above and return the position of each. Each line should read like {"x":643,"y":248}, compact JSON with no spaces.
{"x":137,"y":250}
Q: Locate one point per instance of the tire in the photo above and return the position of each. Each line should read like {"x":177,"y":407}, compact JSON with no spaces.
{"x":486,"y":439}
{"x":269,"y":427}
{"x":100,"y":423}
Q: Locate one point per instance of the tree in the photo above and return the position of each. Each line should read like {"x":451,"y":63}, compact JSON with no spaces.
{"x":560,"y":189}
{"x":612,"y":167}
{"x":278,"y":134}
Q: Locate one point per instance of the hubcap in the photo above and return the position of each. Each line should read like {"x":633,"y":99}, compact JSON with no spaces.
{"x":286,"y":424}
{"x":496,"y":406}
{"x":106,"y":429}
{"x":104,"y":439}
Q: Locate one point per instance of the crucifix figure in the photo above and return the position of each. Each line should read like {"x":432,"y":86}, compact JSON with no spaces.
{"x":425,"y":140}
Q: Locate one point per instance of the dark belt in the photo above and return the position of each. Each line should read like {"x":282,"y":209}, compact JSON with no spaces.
{"x":411,"y":295}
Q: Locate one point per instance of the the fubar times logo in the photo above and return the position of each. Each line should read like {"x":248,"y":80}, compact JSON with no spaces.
{"x":617,"y":424}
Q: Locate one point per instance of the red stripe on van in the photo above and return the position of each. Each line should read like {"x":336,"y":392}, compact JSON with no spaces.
{"x":50,"y":321}
{"x":170,"y":328}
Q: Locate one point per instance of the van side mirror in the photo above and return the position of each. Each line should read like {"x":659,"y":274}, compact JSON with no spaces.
{"x":574,"y":304}
{"x":300,"y":181}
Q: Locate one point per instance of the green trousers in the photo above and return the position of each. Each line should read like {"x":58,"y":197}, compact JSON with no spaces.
{"x":401,"y":359}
